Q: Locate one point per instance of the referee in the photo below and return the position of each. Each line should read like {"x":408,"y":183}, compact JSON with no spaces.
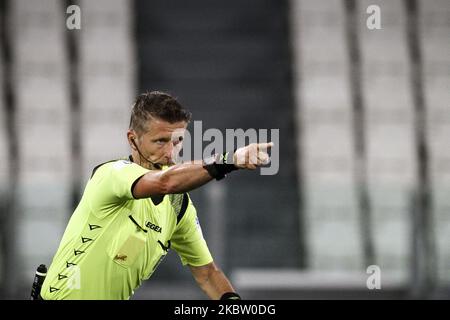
{"x":134,"y":210}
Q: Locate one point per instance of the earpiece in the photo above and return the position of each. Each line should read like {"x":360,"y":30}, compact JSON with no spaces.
{"x":156,"y":165}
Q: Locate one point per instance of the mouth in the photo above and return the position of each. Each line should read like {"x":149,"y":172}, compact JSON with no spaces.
{"x":166,"y":162}
{"x":170,"y":162}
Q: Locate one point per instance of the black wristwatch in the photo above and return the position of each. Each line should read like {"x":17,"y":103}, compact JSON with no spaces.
{"x":218,"y":166}
{"x":230,"y":296}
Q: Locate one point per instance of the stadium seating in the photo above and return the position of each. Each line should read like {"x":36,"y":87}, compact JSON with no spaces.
{"x":389,"y":118}
{"x":326,"y":135}
{"x":106,"y":81}
{"x":4,"y":147}
{"x":435,"y":29}
{"x":43,"y":131}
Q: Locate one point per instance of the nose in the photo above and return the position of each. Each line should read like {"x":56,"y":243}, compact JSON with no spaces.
{"x":169,"y":150}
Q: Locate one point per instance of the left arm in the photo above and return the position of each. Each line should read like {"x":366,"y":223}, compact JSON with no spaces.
{"x":211,"y":280}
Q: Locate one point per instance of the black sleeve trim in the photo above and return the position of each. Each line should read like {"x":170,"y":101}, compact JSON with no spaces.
{"x":95,"y":169}
{"x":184,"y":206}
{"x":134,"y":184}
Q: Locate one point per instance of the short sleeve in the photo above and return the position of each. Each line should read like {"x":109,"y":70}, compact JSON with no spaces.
{"x":188,"y":240}
{"x":112,"y":183}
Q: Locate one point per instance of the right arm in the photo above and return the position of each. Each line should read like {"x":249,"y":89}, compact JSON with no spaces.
{"x":188,"y":176}
{"x":176,"y":179}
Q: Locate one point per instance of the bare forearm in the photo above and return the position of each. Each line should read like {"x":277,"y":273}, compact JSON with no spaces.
{"x":192,"y":175}
{"x":216,"y":285}
{"x":185,"y":177}
{"x":176,"y":179}
{"x":188,"y":176}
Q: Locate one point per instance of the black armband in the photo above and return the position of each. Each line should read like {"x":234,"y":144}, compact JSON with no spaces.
{"x":230,"y":296}
{"x":218,"y":166}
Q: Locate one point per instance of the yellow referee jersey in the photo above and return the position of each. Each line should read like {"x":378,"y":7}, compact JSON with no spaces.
{"x":113,"y":241}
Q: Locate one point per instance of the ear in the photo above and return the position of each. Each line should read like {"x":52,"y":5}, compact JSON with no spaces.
{"x":131,"y":136}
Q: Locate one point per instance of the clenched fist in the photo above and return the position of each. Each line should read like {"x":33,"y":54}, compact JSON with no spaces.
{"x":252,"y":156}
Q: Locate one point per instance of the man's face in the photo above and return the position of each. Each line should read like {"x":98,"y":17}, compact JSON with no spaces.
{"x":162,"y":140}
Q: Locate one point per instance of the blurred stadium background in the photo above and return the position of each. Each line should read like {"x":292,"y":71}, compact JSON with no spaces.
{"x":364,"y":119}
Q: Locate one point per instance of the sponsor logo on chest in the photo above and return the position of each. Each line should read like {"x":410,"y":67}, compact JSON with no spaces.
{"x":153,"y":227}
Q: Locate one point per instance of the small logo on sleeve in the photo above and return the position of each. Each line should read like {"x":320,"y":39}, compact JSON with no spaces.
{"x":120,"y":164}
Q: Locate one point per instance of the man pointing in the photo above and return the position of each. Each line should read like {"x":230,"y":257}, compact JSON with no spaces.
{"x":134,"y":210}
